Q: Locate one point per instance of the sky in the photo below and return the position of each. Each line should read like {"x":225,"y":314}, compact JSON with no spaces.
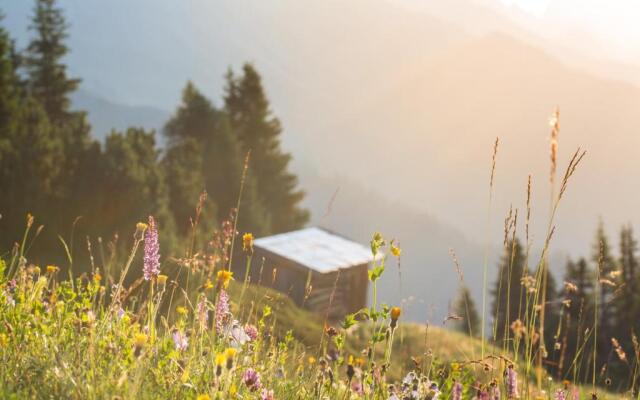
{"x":612,"y":23}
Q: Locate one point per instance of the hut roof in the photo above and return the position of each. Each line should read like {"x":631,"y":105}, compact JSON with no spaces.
{"x":316,"y":249}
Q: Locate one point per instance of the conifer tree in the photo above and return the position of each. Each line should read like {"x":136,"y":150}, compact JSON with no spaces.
{"x":130,"y":169}
{"x":47,"y":83}
{"x":31,"y":155}
{"x":48,"y":80}
{"x":8,"y":84}
{"x":203,"y":154}
{"x":259,"y":132}
{"x":465,"y":308}
{"x":605,"y":263}
{"x":508,"y":297}
{"x":578,"y":314}
{"x":627,"y":298}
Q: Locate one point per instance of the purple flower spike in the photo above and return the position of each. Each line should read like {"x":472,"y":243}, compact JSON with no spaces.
{"x":222,"y":311}
{"x":151,"y":251}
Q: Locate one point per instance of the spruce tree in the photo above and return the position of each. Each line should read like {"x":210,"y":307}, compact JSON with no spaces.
{"x":259,"y":133}
{"x":203,"y":154}
{"x":465,"y":308}
{"x":605,"y":263}
{"x":9,"y":86}
{"x":48,"y":84}
{"x":48,"y":80}
{"x":578,"y":315}
{"x":627,"y":299}
{"x":508,"y":296}
{"x":31,"y":155}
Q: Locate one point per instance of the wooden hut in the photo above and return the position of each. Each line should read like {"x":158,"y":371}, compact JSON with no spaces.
{"x":321,"y":271}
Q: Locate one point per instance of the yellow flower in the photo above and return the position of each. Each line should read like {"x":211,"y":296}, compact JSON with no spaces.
{"x":224,"y":276}
{"x":36,"y":270}
{"x":140,"y":339}
{"x":230,"y":352}
{"x":395,"y":250}
{"x":233,"y":389}
{"x":182,"y":310}
{"x":161,"y":279}
{"x":350,"y":360}
{"x":247,"y":242}
{"x":312,"y":360}
{"x":141,"y":226}
{"x":359,"y":361}
{"x":220,"y":359}
{"x":203,"y":397}
{"x":97,"y":277}
{"x":395,"y":313}
{"x":52,"y":269}
{"x":208,"y":285}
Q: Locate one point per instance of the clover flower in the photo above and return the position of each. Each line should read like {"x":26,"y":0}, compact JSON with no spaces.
{"x":151,"y":251}
{"x":251,"y":378}
{"x":251,"y":331}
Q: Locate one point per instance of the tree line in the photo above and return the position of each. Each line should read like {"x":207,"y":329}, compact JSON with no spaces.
{"x":599,"y":291}
{"x":76,"y":187}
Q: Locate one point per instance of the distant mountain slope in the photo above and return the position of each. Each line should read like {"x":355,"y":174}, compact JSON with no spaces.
{"x":105,"y":115}
{"x":428,"y":279}
{"x":432,"y":142}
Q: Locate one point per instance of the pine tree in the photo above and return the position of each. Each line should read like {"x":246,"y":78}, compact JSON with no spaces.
{"x":48,"y":81}
{"x":508,"y":296}
{"x":465,"y":308}
{"x":259,"y":133}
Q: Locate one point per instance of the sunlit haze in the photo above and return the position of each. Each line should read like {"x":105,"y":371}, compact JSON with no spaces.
{"x":613,"y":24}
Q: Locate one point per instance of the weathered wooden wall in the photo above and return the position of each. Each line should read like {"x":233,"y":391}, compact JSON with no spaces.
{"x":349,"y":292}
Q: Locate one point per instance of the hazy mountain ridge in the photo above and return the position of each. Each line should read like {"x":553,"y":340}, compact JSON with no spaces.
{"x":105,"y":116}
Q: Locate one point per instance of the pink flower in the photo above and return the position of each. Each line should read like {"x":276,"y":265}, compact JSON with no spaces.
{"x":251,"y":331}
{"x":251,"y":379}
